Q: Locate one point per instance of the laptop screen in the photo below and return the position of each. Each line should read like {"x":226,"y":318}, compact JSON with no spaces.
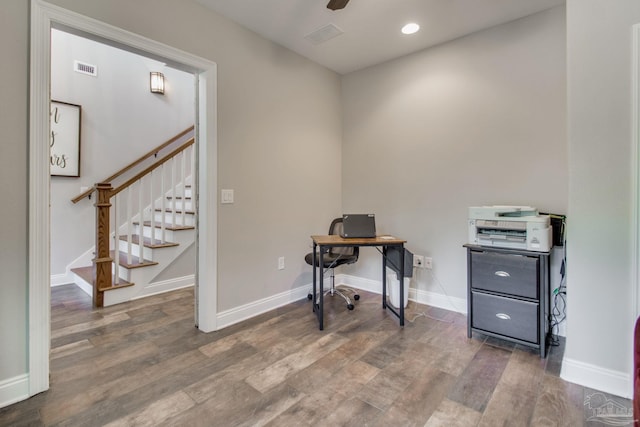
{"x":358,"y":225}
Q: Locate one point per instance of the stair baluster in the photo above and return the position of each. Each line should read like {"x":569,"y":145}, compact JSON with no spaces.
{"x":163,"y":204}
{"x":152,"y":208}
{"x":183,"y":180}
{"x":130,"y":225}
{"x":116,"y":238}
{"x":173,"y":192}
{"x":140,"y":215}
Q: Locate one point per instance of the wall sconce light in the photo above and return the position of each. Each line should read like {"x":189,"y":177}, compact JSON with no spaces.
{"x":157,"y":82}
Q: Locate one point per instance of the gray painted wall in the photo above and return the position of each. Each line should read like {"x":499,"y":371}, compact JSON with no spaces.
{"x":477,"y":121}
{"x":601,"y":152}
{"x":14,"y":44}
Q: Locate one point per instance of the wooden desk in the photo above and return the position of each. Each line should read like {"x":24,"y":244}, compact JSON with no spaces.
{"x":325,"y":242}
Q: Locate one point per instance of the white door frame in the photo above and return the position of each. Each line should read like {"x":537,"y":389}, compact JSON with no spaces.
{"x":635,"y":185}
{"x":44,"y":16}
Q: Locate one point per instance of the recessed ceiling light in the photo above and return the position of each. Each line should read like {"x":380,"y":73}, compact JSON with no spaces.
{"x":410,"y":28}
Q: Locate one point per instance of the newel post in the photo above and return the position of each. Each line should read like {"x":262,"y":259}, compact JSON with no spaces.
{"x":102,"y":262}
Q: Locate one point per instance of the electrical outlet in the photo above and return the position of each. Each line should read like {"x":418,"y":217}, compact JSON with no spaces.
{"x":428,"y":263}
{"x":418,"y":261}
{"x":281,"y":263}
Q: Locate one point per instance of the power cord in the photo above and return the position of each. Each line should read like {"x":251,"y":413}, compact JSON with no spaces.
{"x":559,"y":309}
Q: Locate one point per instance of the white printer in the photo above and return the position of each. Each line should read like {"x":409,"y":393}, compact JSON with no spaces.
{"x":516,"y":227}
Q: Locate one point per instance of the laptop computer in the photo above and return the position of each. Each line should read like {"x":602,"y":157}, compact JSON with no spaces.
{"x":358,"y":225}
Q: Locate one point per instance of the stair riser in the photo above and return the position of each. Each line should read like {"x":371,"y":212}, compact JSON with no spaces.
{"x":157,"y":232}
{"x":180,"y":203}
{"x":147,"y":253}
{"x":189,"y":219}
{"x":186,"y":193}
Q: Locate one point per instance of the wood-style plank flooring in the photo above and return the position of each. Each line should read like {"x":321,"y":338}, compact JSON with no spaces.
{"x":144,"y":363}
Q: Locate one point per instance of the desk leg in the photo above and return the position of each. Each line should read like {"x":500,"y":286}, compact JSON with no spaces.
{"x":321,"y":295}
{"x":401,"y":285}
{"x":384,"y":277}
{"x":314,"y":264}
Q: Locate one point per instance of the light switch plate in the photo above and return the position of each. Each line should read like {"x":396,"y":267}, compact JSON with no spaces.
{"x":226,"y":196}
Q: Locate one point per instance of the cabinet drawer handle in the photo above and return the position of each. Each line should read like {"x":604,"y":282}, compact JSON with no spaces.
{"x":503,"y":316}
{"x":502,"y":273}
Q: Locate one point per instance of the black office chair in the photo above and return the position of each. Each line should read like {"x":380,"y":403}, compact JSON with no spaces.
{"x":333,"y":258}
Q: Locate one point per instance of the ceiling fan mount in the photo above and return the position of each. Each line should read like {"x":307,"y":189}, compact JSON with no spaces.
{"x":337,"y":4}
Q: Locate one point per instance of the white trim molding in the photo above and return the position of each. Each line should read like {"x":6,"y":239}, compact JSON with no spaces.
{"x":14,"y":390}
{"x":238,"y":314}
{"x":247,"y":311}
{"x":39,"y":227}
{"x":635,"y":153}
{"x":597,"y":378}
{"x":61,"y":279}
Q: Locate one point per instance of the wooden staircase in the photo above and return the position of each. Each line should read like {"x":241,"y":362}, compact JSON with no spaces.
{"x":142,"y":225}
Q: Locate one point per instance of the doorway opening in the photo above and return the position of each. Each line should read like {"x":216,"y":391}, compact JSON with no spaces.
{"x":44,"y":18}
{"x":123,"y":126}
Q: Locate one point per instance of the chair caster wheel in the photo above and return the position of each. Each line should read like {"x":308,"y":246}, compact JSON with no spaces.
{"x":356,"y":297}
{"x":309,"y":297}
{"x":350,"y":306}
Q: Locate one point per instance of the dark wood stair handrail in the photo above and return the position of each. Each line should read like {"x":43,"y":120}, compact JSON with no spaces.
{"x":134,"y":163}
{"x":152,"y":167}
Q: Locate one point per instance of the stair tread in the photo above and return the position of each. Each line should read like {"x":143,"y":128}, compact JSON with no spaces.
{"x":86,"y":274}
{"x":148,"y":243}
{"x":135,"y":261}
{"x":169,"y":227}
{"x":122,"y":284}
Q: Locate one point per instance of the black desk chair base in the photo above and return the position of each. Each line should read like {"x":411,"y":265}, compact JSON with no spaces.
{"x":341,"y":292}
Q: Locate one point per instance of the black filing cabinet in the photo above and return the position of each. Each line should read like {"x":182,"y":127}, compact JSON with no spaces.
{"x":508,"y":295}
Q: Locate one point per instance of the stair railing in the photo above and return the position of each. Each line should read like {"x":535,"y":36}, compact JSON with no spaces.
{"x":135,"y":163}
{"x":119,"y":210}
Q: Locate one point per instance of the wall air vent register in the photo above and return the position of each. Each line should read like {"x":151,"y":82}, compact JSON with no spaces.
{"x":84,"y":68}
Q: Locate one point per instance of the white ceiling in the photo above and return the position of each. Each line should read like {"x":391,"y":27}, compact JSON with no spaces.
{"x":371,"y":27}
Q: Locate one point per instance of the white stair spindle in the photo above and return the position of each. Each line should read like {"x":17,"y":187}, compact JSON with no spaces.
{"x":152,"y":208}
{"x":184,"y":184}
{"x":163,"y":205}
{"x":129,"y":224}
{"x":141,"y":216}
{"x":173,"y":192}
{"x":192,"y":174}
{"x":116,"y":240}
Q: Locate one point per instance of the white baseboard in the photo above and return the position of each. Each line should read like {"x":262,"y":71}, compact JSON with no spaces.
{"x":423,"y":297}
{"x":167,"y":286}
{"x":62,"y":279}
{"x":87,"y":288}
{"x":247,"y":311}
{"x":597,"y":378}
{"x":135,"y":292}
{"x":14,"y":390}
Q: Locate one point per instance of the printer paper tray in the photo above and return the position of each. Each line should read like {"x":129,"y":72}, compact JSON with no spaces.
{"x":503,"y":243}
{"x":513,"y":235}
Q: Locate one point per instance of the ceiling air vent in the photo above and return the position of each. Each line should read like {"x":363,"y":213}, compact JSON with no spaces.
{"x":84,"y":68}
{"x":323,"y":34}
